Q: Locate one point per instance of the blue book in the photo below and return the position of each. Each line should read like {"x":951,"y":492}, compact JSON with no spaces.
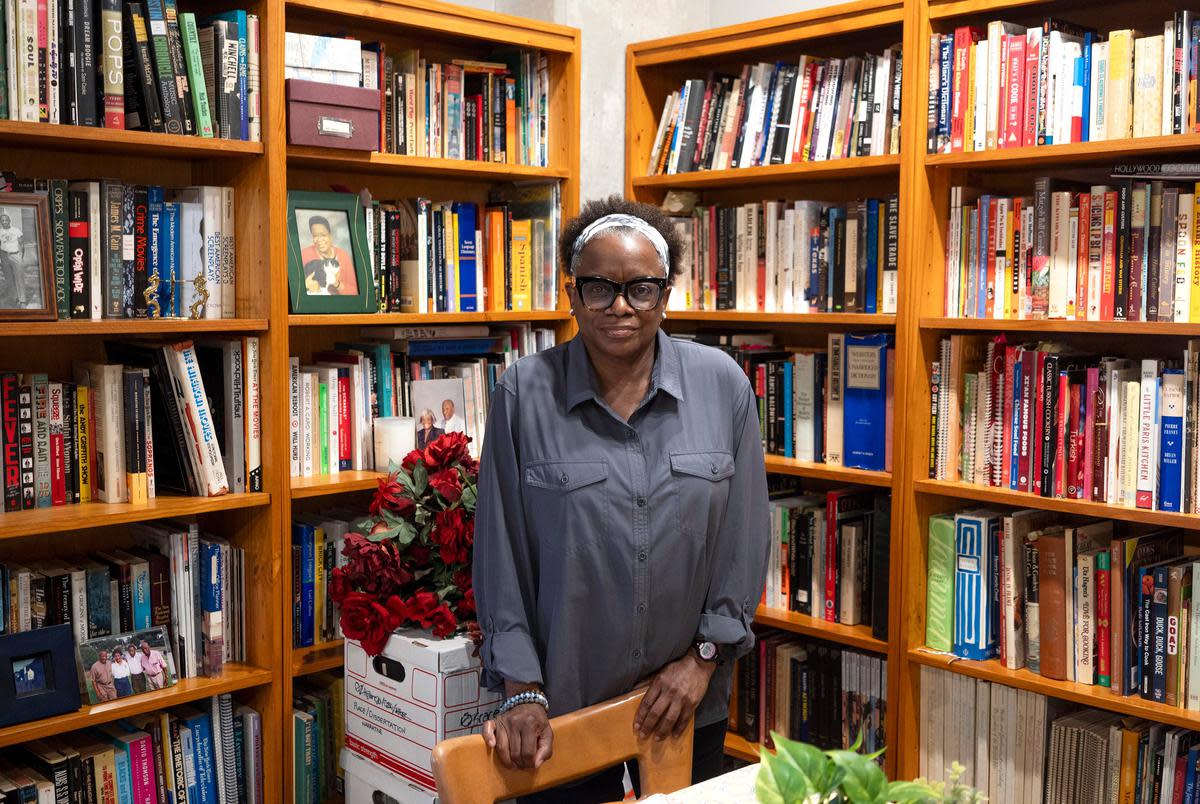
{"x":1015,"y":426}
{"x":945,"y":88}
{"x":975,"y":597}
{"x":212,"y":627}
{"x":820,"y":371}
{"x":154,"y":259}
{"x":812,"y":292}
{"x":139,"y":582}
{"x":187,"y":747}
{"x":1085,"y":64}
{"x":99,"y":600}
{"x":170,"y":290}
{"x":238,"y":17}
{"x":304,"y":537}
{"x":763,"y":157}
{"x":981,"y":257}
{"x":380,"y":355}
{"x":1170,"y":450}
{"x":468,"y":293}
{"x":110,"y":734}
{"x":451,"y":346}
{"x":835,"y":214}
{"x":789,"y":448}
{"x":872,"y":284}
{"x":864,"y":406}
{"x":1158,"y":636}
{"x":202,"y":753}
{"x":1189,"y":780}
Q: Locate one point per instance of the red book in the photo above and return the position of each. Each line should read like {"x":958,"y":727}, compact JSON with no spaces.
{"x":712,"y":256}
{"x":964,"y":38}
{"x":1089,"y":432}
{"x":1039,"y":394}
{"x":10,"y":459}
{"x":1137,"y":240}
{"x":345,"y":427}
{"x":1063,"y":415}
{"x":1108,"y":258}
{"x":1072,"y":447}
{"x":1014,"y":118}
{"x":1103,"y":626}
{"x":58,"y":476}
{"x":477,"y":100}
{"x":1081,"y":258}
{"x":1029,"y":96}
{"x":804,"y":121}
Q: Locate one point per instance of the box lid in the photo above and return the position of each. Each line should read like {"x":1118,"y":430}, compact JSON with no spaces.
{"x":332,"y":94}
{"x":421,"y":649}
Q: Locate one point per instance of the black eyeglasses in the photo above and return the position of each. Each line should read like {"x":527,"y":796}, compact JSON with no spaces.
{"x":598,"y":293}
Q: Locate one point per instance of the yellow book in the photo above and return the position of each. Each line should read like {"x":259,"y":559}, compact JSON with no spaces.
{"x":1194,"y":301}
{"x":452,"y":258}
{"x":969,"y":108}
{"x":1010,"y":262}
{"x":319,"y":585}
{"x":1118,"y":101}
{"x":522,"y":256}
{"x":83,"y":439}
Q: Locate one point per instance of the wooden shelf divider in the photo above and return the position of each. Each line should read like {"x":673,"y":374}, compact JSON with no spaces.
{"x":739,"y":747}
{"x":779,"y":465}
{"x":1050,"y":327}
{"x":342,"y":482}
{"x":853,"y":168}
{"x":135,"y":327}
{"x":854,"y":636}
{"x":16,"y":134}
{"x":425,"y":319}
{"x":316,"y":658}
{"x":830,"y":321}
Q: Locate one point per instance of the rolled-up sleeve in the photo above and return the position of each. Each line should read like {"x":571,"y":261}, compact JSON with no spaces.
{"x":503,"y":569}
{"x":742,"y":542}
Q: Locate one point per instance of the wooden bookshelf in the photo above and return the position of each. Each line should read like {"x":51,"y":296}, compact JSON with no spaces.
{"x":446,"y":31}
{"x":17,"y":524}
{"x":1077,"y":153}
{"x":135,"y":327}
{"x":655,"y":68}
{"x":316,"y":658}
{"x":18,"y":135}
{"x":739,"y":747}
{"x":1119,"y":328}
{"x":233,"y":678}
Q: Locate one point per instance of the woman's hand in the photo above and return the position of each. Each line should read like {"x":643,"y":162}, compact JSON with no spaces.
{"x":674,"y":694}
{"x":521,"y":737}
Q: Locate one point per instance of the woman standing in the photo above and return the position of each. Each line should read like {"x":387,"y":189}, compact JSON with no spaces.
{"x":622,"y":520}
{"x":120,"y":671}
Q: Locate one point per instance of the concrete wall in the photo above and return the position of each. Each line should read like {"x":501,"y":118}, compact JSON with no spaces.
{"x":608,"y":26}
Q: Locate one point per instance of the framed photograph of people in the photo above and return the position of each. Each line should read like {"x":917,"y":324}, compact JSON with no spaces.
{"x":122,"y":665}
{"x":329,"y":268}
{"x":26,"y":267}
{"x":38,"y":678}
{"x":439,"y":406}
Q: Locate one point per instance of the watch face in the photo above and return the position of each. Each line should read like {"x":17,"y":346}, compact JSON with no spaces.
{"x":708,"y":651}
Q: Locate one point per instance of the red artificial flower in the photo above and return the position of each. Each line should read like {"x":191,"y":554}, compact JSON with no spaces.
{"x":462,"y":579}
{"x":421,"y":603}
{"x":410,"y":460}
{"x":446,"y":450}
{"x":442,"y":621}
{"x":397,"y":611}
{"x":453,"y":532}
{"x":390,"y":497}
{"x":365,"y":620}
{"x":466,"y":606}
{"x":447,"y":483}
{"x":339,"y":584}
{"x":419,"y":553}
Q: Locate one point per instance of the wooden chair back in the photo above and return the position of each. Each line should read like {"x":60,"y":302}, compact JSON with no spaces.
{"x":585,"y":742}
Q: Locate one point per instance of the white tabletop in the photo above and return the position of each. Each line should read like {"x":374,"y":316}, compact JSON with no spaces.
{"x":735,"y":787}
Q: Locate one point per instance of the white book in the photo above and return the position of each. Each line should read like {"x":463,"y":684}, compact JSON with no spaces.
{"x":1166,"y":76}
{"x":980,"y":768}
{"x":789,"y":293}
{"x":1147,"y":93}
{"x":1095,"y":253}
{"x":1147,"y":436}
{"x":1073,"y":224}
{"x":834,"y":395}
{"x":13,"y":88}
{"x":27,"y":60}
{"x":1192,"y":699}
{"x":1003,"y":269}
{"x":210,"y":468}
{"x":795,"y":112}
{"x":1085,"y":601}
{"x":228,"y":255}
{"x":1183,"y":258}
{"x":953,"y":255}
{"x":679,"y":115}
{"x":105,"y":380}
{"x":53,"y":66}
{"x":997,"y":773}
{"x":826,"y":111}
{"x":1129,"y":443}
{"x":771,"y":224}
{"x":803,"y":393}
{"x":328,"y":377}
{"x":881,"y":105}
{"x":851,"y":543}
{"x":308,"y":380}
{"x":818,"y":578}
{"x":983,"y":103}
{"x":663,"y":121}
{"x":294,"y":415}
{"x":1099,"y":77}
{"x":1060,"y":235}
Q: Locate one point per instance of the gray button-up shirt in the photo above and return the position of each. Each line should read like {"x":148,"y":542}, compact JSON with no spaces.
{"x":604,"y":549}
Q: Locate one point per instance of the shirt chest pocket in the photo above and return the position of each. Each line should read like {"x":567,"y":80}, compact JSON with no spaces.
{"x":701,"y":482}
{"x":566,"y":501}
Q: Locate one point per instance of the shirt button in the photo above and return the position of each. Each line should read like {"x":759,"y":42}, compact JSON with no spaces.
{"x":642,"y":556}
{"x":641,"y":502}
{"x":714,"y":468}
{"x":564,"y":479}
{"x":641,"y":608}
{"x":637,"y":654}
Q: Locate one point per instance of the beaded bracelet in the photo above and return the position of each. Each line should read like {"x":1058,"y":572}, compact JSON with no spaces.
{"x":527,"y":697}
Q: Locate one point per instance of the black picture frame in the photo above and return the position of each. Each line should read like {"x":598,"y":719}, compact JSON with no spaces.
{"x":344,"y":228}
{"x":46,"y":659}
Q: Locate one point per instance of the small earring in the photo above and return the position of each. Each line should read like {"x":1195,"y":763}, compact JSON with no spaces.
{"x":664,"y":313}
{"x":571,"y":311}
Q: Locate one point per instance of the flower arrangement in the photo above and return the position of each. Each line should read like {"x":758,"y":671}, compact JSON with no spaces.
{"x":409,"y":562}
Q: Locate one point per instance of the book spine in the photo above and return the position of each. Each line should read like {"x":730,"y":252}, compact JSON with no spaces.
{"x":112,"y":63}
{"x":195,"y":72}
{"x":182,"y":83}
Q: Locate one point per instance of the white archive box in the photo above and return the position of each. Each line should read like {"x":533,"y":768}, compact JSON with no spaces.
{"x":368,"y":783}
{"x":419,"y":691}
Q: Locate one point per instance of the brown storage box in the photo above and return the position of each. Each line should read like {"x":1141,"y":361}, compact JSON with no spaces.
{"x":332,"y":116}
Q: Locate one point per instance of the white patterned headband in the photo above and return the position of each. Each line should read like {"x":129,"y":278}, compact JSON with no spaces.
{"x":619,"y":220}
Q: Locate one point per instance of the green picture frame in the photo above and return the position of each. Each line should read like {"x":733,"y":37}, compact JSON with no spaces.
{"x":325,"y":231}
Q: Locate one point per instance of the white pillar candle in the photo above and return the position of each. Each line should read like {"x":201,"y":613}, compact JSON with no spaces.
{"x":395,"y":437}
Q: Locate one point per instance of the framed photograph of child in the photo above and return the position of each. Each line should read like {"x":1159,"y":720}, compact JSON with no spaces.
{"x":26,"y":266}
{"x":122,"y":665}
{"x":329,"y":267}
{"x":37,"y":674}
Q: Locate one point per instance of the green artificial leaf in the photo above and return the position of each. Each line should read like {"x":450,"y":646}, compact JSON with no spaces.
{"x":811,"y":760}
{"x":468,"y":498}
{"x":421,"y":515}
{"x":863,"y":781}
{"x":420,"y":479}
{"x":421,"y":574}
{"x":405,"y":533}
{"x":446,"y":591}
{"x":405,"y":481}
{"x":781,"y":780}
{"x":383,"y":535}
{"x":911,"y":793}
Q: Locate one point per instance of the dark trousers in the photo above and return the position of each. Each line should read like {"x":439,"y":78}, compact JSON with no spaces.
{"x":708,"y":753}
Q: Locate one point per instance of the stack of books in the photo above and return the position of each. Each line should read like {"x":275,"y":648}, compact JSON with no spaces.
{"x":1044,"y":419}
{"x":316,"y":550}
{"x":1009,"y":86}
{"x":336,"y":397}
{"x":782,"y":113}
{"x":181,"y":417}
{"x":791,"y":257}
{"x":489,"y":111}
{"x":809,"y":691}
{"x":318,"y":720}
{"x":211,"y":750}
{"x":831,"y":406}
{"x":191,"y":583}
{"x":134,"y":65}
{"x":1019,"y":746}
{"x":1124,"y":251}
{"x":134,"y":251}
{"x":462,"y":257}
